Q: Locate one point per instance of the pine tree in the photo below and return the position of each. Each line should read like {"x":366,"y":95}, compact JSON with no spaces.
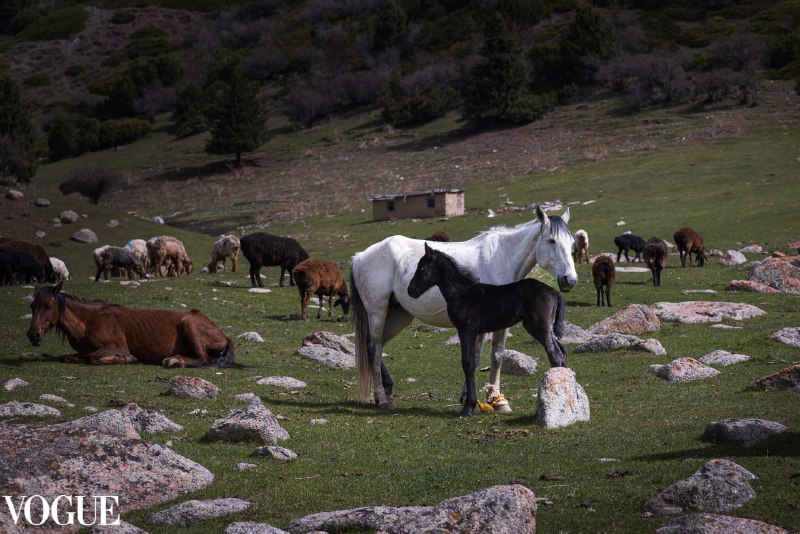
{"x":17,"y":142}
{"x":239,"y":122}
{"x":501,"y":79}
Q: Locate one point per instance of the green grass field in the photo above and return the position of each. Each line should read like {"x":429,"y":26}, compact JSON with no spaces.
{"x":734,"y":191}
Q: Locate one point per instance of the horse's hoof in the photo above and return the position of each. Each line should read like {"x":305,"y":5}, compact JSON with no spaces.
{"x":169,"y":363}
{"x":504,"y":408}
{"x":388,"y":406}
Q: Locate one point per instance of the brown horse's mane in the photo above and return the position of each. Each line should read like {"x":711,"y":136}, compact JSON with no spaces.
{"x":61,"y":298}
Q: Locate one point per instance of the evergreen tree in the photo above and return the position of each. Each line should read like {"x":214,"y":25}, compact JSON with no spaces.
{"x":590,"y":37}
{"x":190,"y":111}
{"x":391,"y":26}
{"x":239,"y":123}
{"x":500,"y":90}
{"x":17,"y":142}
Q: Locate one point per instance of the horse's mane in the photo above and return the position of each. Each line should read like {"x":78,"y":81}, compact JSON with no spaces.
{"x":558,"y":227}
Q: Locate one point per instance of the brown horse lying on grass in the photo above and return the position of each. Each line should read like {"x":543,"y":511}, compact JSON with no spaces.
{"x":109,"y":334}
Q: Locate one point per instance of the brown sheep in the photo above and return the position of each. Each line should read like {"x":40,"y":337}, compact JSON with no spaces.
{"x":439,"y":235}
{"x":322,"y":278}
{"x":688,"y":241}
{"x":226,"y":246}
{"x":603,"y":273}
{"x":167,"y":248}
{"x":580,"y":248}
{"x":655,"y":256}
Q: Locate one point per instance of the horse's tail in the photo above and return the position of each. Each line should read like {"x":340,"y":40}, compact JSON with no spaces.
{"x":558,"y":324}
{"x":361,"y":326}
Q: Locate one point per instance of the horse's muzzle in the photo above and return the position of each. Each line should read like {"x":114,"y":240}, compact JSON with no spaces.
{"x":34,"y":337}
{"x":567,"y":284}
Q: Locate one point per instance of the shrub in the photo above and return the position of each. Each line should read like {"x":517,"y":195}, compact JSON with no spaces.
{"x":40,"y":79}
{"x":123,"y":17}
{"x":648,"y":79}
{"x":148,"y":42}
{"x":57,"y":24}
{"x":91,"y":182}
{"x":73,"y":135}
{"x":117,"y":132}
{"x":74,"y":70}
{"x":713,"y":29}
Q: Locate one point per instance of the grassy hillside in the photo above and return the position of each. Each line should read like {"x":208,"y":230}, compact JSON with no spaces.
{"x":732,"y":175}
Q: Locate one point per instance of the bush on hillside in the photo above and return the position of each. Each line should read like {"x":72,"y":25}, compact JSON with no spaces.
{"x":117,"y":132}
{"x":91,"y":182}
{"x":56,"y":24}
{"x":648,"y":79}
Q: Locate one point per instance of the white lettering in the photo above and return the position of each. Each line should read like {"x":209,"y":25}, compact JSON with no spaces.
{"x":45,"y":510}
{"x":107,"y":506}
{"x":63,"y":509}
{"x":14,"y":511}
{"x":80,"y":503}
{"x":54,"y":511}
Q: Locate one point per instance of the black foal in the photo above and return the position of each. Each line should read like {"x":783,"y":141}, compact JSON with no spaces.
{"x":475,"y":309}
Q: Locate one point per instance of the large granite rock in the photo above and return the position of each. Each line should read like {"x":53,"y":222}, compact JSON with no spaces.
{"x":84,"y":235}
{"x":634,"y":319}
{"x":329,"y":349}
{"x":781,"y":273}
{"x":743,"y":432}
{"x":717,"y":524}
{"x":188,"y":513}
{"x":500,"y":510}
{"x":683,"y":370}
{"x":789,"y":335}
{"x":561,"y":401}
{"x":192,"y":386}
{"x":254,"y":422}
{"x":788,"y":378}
{"x":699,"y":311}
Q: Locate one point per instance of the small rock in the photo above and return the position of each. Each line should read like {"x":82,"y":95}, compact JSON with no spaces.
{"x":752,"y":249}
{"x":683,"y":370}
{"x":14,"y":383}
{"x":122,"y":528}
{"x":562,"y":401}
{"x":517,"y":363}
{"x":48,"y":397}
{"x":717,"y":524}
{"x":259,"y":290}
{"x":25,"y":409}
{"x":41,"y":202}
{"x":788,"y":378}
{"x":743,"y":432}
{"x":244,"y":466}
{"x":732,"y":257}
{"x":112,"y":223}
{"x":749,"y":285}
{"x":723,"y":357}
{"x":40,"y":234}
{"x":634,"y":319}
{"x":251,"y":336}
{"x":247,"y":398}
{"x":282,"y":381}
{"x":14,"y":194}
{"x":255,"y":421}
{"x":279,"y":453}
{"x":68,"y":217}
{"x":192,"y":386}
{"x":191,"y":512}
{"x":318,"y":422}
{"x":695,"y":312}
{"x":84,"y":235}
{"x":248,"y":527}
{"x":789,"y":335}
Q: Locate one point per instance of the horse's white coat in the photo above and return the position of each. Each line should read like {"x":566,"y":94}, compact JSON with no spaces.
{"x":383,"y":271}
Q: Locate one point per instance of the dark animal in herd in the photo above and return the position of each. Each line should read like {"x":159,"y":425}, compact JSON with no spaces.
{"x":655,"y":256}
{"x":603,"y":274}
{"x":111,"y":258}
{"x":108,"y":334}
{"x":440,"y":236}
{"x":626,"y":242}
{"x":321,"y":278}
{"x":34,"y":250}
{"x":19,"y":267}
{"x":475,"y":309}
{"x":263,"y":249}
{"x":690,"y":242}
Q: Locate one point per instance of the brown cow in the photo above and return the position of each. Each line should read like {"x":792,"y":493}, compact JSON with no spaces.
{"x":688,"y":241}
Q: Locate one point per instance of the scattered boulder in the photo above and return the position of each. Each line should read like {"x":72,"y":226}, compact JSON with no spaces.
{"x":749,"y":285}
{"x":330,"y":350}
{"x":41,"y":202}
{"x":723,"y":357}
{"x":507,"y":509}
{"x":789,"y":335}
{"x":733,"y":257}
{"x":244,"y":466}
{"x":574,"y":334}
{"x":562,"y":401}
{"x":517,"y":363}
{"x":254,"y":422}
{"x":112,"y":223}
{"x":717,"y":524}
{"x":248,"y":527}
{"x":49,"y":397}
{"x":79,"y":458}
{"x":782,"y":274}
{"x":279,"y":453}
{"x":612,"y":342}
{"x":719,"y":487}
{"x":191,"y":512}
{"x":696,"y":312}
{"x":683,"y":370}
{"x":251,"y":336}
{"x":634,"y":319}
{"x":247,"y":398}
{"x":743,"y":432}
{"x":68,"y":217}
{"x":84,"y":235}
{"x":192,"y":386}
{"x":752,"y":249}
{"x":40,"y":234}
{"x":14,"y":194}
{"x":14,"y":383}
{"x":788,"y":378}
{"x":122,"y":528}
{"x":282,"y":382}
{"x":148,"y":421}
{"x":26,"y":409}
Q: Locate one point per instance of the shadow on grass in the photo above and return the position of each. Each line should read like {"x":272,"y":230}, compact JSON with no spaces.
{"x":785,"y":444}
{"x":362,"y":408}
{"x":19,"y":361}
{"x":184,"y":174}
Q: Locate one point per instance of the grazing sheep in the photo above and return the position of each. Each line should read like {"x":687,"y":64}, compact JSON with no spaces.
{"x":20,"y":266}
{"x":439,"y":235}
{"x":603,"y":273}
{"x":34,"y":250}
{"x":626,"y":242}
{"x":263,"y":249}
{"x":139,"y":249}
{"x":226,"y":246}
{"x":655,"y":256}
{"x":580,"y":247}
{"x":322,"y":278}
{"x":168,"y":252}
{"x":59,"y":269}
{"x":120,"y":258}
{"x":688,"y":241}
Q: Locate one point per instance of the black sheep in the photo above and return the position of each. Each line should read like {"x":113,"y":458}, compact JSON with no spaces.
{"x":655,"y":256}
{"x":24,"y":266}
{"x":34,"y":250}
{"x":120,"y":258}
{"x":262,"y":249}
{"x":626,"y":242}
{"x":604,"y":274}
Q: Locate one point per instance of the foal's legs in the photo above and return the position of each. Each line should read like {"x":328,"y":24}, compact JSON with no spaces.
{"x":543,"y":333}
{"x":468,"y":342}
{"x":498,"y":346}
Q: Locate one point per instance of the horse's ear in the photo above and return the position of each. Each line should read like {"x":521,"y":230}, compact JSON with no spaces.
{"x":36,"y":285}
{"x":57,"y":287}
{"x":427,"y":248}
{"x":565,"y":215}
{"x":542,"y":216}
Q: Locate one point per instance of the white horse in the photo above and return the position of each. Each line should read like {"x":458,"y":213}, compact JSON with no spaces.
{"x":382,"y":307}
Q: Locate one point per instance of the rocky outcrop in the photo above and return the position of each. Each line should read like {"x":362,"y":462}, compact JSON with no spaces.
{"x":743,"y":432}
{"x":696,"y":312}
{"x":500,"y":510}
{"x":719,"y":486}
{"x":634,"y":319}
{"x":717,"y":524}
{"x":612,"y":342}
{"x":723,"y":358}
{"x":329,"y":350}
{"x":782,"y":273}
{"x":788,"y":378}
{"x":683,"y":370}
{"x":561,"y":400}
{"x":254,"y":422}
{"x":26,"y":409}
{"x":191,"y":512}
